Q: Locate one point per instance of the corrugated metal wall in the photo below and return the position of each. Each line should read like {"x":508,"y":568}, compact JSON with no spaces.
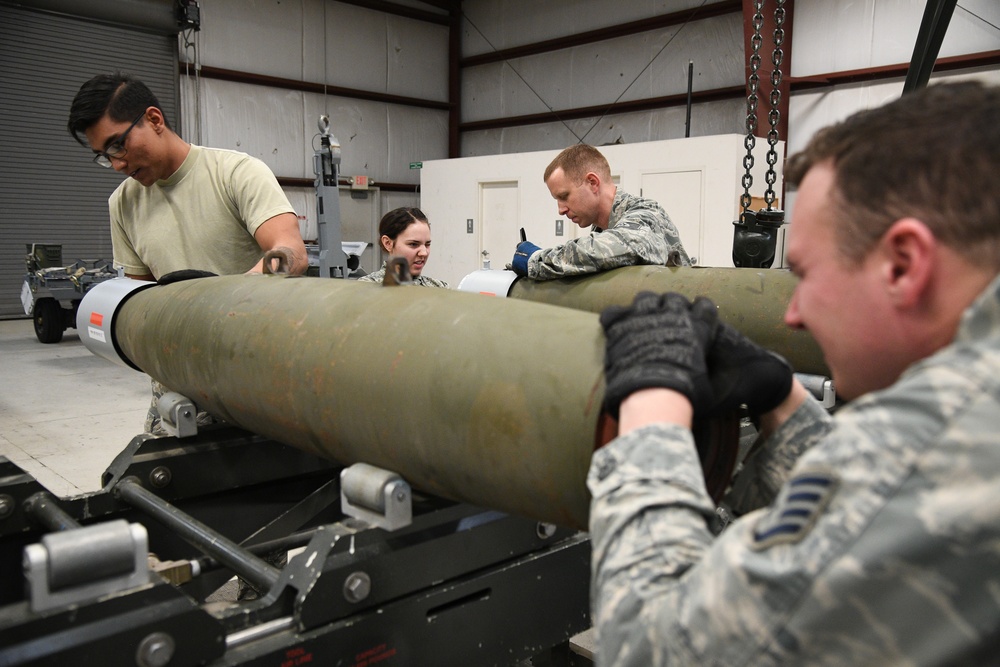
{"x":628,"y":68}
{"x":50,"y":191}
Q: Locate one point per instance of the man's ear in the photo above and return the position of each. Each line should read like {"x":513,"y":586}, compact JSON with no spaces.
{"x":593,"y":181}
{"x":155,"y":119}
{"x":908,"y":248}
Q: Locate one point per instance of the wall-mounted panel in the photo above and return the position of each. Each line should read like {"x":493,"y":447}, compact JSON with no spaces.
{"x":417,"y":55}
{"x":414,"y":135}
{"x":259,"y":36}
{"x":261,"y":121}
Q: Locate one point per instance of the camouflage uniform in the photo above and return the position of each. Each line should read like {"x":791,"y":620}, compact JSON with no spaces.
{"x":422,"y":280}
{"x":882,"y":546}
{"x":639,"y":232}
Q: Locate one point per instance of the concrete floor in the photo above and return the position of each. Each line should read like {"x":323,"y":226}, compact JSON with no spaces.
{"x":65,"y":413}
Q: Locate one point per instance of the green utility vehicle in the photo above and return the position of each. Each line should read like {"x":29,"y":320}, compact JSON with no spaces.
{"x":52,"y":291}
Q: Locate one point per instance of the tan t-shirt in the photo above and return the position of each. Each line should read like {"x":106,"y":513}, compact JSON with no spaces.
{"x":202,"y":217}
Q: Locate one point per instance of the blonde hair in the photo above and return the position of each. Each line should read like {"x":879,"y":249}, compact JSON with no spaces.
{"x":577,"y":161}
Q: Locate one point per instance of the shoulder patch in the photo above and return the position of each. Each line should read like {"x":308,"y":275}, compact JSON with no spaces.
{"x":801,"y":500}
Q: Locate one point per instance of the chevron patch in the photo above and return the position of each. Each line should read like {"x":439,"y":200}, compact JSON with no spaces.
{"x":796,"y":509}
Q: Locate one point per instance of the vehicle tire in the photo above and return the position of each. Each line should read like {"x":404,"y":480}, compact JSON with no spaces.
{"x":49,"y":325}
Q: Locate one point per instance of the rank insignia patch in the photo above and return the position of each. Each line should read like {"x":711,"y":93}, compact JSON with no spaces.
{"x":795,"y":510}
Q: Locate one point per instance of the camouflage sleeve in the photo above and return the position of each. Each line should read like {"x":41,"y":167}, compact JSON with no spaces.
{"x":771,"y":460}
{"x":639,"y":555}
{"x":665,"y":590}
{"x":880,"y":548}
{"x":629,"y":243}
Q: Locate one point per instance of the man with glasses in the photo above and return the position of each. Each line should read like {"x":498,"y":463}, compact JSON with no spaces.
{"x":182,"y":207}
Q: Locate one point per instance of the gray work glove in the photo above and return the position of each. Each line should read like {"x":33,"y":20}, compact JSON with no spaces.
{"x":743,"y":373}
{"x":658,"y":341}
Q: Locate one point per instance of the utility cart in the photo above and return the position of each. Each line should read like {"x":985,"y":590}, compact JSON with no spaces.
{"x":52,"y":291}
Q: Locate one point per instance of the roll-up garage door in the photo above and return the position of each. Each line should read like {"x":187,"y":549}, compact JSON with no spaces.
{"x":50,"y":190}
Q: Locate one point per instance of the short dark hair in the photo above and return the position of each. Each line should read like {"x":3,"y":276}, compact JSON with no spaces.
{"x":395,"y":221}
{"x":933,"y":154}
{"x":121,"y":96}
{"x":577,"y":161}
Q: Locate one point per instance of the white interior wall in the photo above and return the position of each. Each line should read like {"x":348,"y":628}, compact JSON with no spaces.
{"x":833,"y":37}
{"x":360,"y":48}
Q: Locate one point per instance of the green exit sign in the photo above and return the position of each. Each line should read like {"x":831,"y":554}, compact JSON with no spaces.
{"x":416,"y":165}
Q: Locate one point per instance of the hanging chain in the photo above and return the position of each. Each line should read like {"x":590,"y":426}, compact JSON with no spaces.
{"x":751,"y":122}
{"x":774,"y":115}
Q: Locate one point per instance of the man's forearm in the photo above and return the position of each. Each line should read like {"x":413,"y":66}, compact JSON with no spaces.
{"x":650,"y":406}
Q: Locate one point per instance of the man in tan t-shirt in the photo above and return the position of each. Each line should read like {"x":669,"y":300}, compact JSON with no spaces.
{"x":182,"y":207}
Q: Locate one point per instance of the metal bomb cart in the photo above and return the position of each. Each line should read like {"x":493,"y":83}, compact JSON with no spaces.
{"x":51,"y":292}
{"x":124,"y":576}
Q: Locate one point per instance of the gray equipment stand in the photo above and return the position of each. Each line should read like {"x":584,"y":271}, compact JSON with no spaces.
{"x":326,"y":166}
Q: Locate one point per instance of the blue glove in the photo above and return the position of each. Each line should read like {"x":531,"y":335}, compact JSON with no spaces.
{"x":525,"y":249}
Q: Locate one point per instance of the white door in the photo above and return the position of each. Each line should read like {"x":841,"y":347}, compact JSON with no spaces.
{"x":680,"y":195}
{"x":498,"y":207}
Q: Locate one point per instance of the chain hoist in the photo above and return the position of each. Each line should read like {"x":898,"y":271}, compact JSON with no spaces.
{"x":774,"y":114}
{"x":755,"y":236}
{"x":753,"y":82}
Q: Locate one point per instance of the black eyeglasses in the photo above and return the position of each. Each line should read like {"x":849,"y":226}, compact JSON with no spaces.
{"x":117,"y":148}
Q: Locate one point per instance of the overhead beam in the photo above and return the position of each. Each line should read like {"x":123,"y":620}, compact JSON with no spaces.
{"x":630,"y":106}
{"x":403,"y":10}
{"x":591,"y":36}
{"x":209,"y":72}
{"x":865,"y":74}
